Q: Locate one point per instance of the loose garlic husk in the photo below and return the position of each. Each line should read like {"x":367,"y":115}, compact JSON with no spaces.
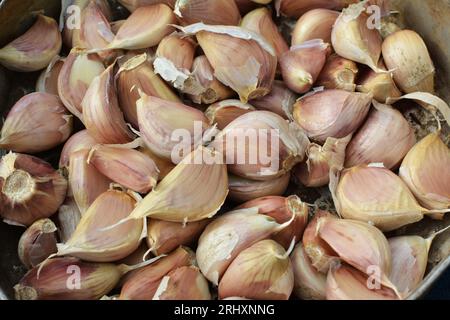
{"x":67,"y":218}
{"x":406,"y":54}
{"x":35,"y":49}
{"x":224,"y":112}
{"x":282,"y":209}
{"x":384,"y":126}
{"x":309,"y":284}
{"x":163,"y":237}
{"x":75,"y":77}
{"x":280,"y":100}
{"x":132,"y":5}
{"x":216,"y":12}
{"x":101,"y":112}
{"x":314,"y":24}
{"x":241,"y":59}
{"x":128,"y":167}
{"x":380,"y":85}
{"x":159,"y":119}
{"x":263,"y":271}
{"x":30,"y":189}
{"x":37,"y":122}
{"x":79,"y":141}
{"x":37,"y":243}
{"x":338,"y":73}
{"x":295,"y":8}
{"x":229,"y":234}
{"x":331,"y":113}
{"x":48,"y":80}
{"x":302,"y":64}
{"x":242,"y":189}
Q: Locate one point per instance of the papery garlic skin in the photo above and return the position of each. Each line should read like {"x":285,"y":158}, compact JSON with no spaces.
{"x":35,"y":49}
{"x":37,"y":122}
{"x":224,"y":112}
{"x":217,"y":12}
{"x":79,"y":141}
{"x":132,"y":5}
{"x":164,"y":166}
{"x":280,"y":100}
{"x":295,"y":8}
{"x":48,"y":80}
{"x":380,"y":85}
{"x":242,"y":189}
{"x":338,"y":73}
{"x":314,"y":24}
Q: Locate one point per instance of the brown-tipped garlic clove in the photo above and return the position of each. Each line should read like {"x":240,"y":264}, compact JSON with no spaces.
{"x":48,"y":80}
{"x":164,"y":166}
{"x":37,"y":122}
{"x":68,"y":279}
{"x":35,"y":49}
{"x":242,"y":189}
{"x":309,"y":284}
{"x":282,"y":209}
{"x":101,"y":112}
{"x":130,"y":168}
{"x":406,"y":54}
{"x":388,"y":28}
{"x":132,"y":5}
{"x":331,"y":113}
{"x":384,"y":126}
{"x":67,"y":219}
{"x":381,"y":85}
{"x":338,"y":73}
{"x":224,"y":112}
{"x":37,"y":243}
{"x":280,"y":100}
{"x":216,"y":12}
{"x":241,"y":59}
{"x":302,"y":65}
{"x":261,"y":272}
{"x":183,"y":283}
{"x":75,"y":77}
{"x":314,"y":24}
{"x":30,"y":189}
{"x":79,"y":141}
{"x":296,"y":9}
{"x":164,"y":237}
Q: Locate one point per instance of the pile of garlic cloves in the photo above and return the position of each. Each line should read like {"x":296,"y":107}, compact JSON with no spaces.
{"x":138,"y":214}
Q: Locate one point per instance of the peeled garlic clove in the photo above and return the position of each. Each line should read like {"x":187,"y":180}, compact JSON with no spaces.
{"x":163,"y":237}
{"x":37,"y":122}
{"x":295,"y":8}
{"x":158,"y":119}
{"x":132,"y":5}
{"x":224,"y":112}
{"x":314,"y":24}
{"x":229,"y":234}
{"x":130,"y":168}
{"x":194,"y":190}
{"x":35,"y":49}
{"x":164,"y":166}
{"x":331,"y":113}
{"x":280,"y":100}
{"x":144,"y":28}
{"x":183,"y":283}
{"x":241,"y":59}
{"x":309,"y":284}
{"x":346,"y":283}
{"x":79,"y":141}
{"x":321,"y":255}
{"x":101,"y":112}
{"x":85,"y":181}
{"x":426,"y":171}
{"x":242,"y":189}
{"x":67,"y":219}
{"x":75,"y":77}
{"x":302,"y":65}
{"x":68,"y":279}
{"x":37,"y":243}
{"x":338,"y":73}
{"x":48,"y":80}
{"x":406,"y":54}
{"x":136,"y":75}
{"x":380,"y":85}
{"x":353,"y":39}
{"x":220,"y":12}
{"x":30,"y":189}
{"x":384,"y":126}
{"x":260,"y":21}
{"x":261,"y":272}
{"x":282,"y":209}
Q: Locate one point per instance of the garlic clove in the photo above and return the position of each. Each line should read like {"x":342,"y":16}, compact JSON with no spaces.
{"x":216,"y":12}
{"x":30,"y":189}
{"x":37,"y":122}
{"x":164,"y":166}
{"x":101,"y":112}
{"x":132,"y":5}
{"x":224,"y":112}
{"x":388,"y":28}
{"x":242,"y":189}
{"x":331,"y":113}
{"x":384,"y":126}
{"x":302,"y":65}
{"x":314,"y":24}
{"x":37,"y":243}
{"x":309,"y":284}
{"x":295,"y":8}
{"x":67,"y":219}
{"x":183,"y":283}
{"x":35,"y":49}
{"x":263,"y":271}
{"x":246,"y":6}
{"x":381,"y":85}
{"x":130,"y":168}
{"x":48,"y":80}
{"x":79,"y":141}
{"x":338,"y":73}
{"x":75,"y":77}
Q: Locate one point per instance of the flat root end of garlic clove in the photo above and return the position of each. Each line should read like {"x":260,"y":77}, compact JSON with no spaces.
{"x":25,"y":293}
{"x":19,"y":186}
